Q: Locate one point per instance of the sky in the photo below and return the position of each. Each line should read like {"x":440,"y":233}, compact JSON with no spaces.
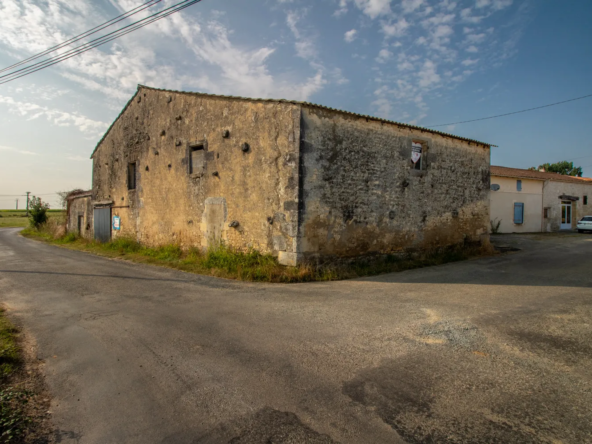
{"x":425,"y":62}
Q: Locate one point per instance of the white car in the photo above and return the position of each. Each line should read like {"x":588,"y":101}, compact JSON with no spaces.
{"x":585,"y":224}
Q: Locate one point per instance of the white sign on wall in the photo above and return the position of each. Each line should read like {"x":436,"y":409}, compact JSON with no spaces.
{"x":415,"y":151}
{"x":116,"y":223}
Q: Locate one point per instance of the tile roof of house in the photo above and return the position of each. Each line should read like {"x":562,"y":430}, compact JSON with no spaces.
{"x":537,"y":175}
{"x":308,"y":104}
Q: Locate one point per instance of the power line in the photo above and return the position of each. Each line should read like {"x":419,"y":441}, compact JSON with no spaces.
{"x":86,"y":33}
{"x":509,"y":114}
{"x":97,"y":42}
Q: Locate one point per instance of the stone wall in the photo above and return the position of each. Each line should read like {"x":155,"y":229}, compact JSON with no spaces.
{"x":360,"y":194}
{"x":551,"y":192}
{"x":243,"y":195}
{"x":80,"y":207}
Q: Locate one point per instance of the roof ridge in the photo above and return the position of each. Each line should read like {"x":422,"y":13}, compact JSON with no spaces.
{"x":315,"y":105}
{"x":295,"y":102}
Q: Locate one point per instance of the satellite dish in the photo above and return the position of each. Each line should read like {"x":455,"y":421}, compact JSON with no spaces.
{"x":495,"y":187}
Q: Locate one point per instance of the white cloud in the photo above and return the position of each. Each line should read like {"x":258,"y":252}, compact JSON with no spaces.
{"x":372,"y":8}
{"x":78,"y":158}
{"x":411,"y":5}
{"x":342,"y":8}
{"x":469,"y":62}
{"x":17,"y":150}
{"x":350,"y":36}
{"x":428,"y":75}
{"x":466,"y":15}
{"x":501,"y":4}
{"x":472,"y":48}
{"x":395,"y":29}
{"x":475,"y":38}
{"x":384,"y":55}
{"x":34,"y":111}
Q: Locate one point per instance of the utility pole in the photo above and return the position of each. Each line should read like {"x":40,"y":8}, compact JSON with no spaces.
{"x":17,"y":204}
{"x":28,"y":192}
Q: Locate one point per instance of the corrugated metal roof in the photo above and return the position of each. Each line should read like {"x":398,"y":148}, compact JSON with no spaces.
{"x":295,"y":102}
{"x":537,"y":175}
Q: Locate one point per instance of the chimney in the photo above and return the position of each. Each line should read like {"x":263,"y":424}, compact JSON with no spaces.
{"x":542,"y":169}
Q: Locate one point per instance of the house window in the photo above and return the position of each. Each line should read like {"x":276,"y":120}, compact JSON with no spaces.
{"x":518,"y":213}
{"x":197,"y":159}
{"x":546,"y":213}
{"x":585,"y":200}
{"x":80,"y":224}
{"x":518,"y":185}
{"x":131,"y":176}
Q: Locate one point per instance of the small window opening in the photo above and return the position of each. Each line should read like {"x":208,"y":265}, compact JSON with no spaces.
{"x":585,"y":199}
{"x":546,"y":213}
{"x":418,"y":156}
{"x":131,"y":176}
{"x":80,"y":224}
{"x":197,"y":158}
{"x":519,"y":185}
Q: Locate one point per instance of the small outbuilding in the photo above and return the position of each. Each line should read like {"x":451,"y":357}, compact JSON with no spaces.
{"x":298,"y":180}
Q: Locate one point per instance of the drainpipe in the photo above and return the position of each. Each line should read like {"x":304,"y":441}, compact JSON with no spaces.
{"x":543,"y":207}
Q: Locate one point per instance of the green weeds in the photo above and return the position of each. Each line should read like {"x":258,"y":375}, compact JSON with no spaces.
{"x":252,"y":265}
{"x":14,"y":421}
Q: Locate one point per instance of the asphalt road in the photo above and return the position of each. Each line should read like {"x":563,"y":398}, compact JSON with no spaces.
{"x":495,"y":350}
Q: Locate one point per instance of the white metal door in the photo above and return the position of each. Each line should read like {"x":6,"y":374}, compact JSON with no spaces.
{"x":566,"y":215}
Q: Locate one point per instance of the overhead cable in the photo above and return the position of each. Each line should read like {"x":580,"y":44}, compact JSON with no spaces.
{"x":97,"y":42}
{"x":86,"y":33}
{"x":508,"y":114}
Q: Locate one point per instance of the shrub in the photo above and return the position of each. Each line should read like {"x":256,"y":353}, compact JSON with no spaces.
{"x":38,"y":212}
{"x":495,"y":225}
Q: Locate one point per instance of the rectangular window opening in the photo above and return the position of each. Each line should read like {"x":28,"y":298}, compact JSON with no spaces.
{"x":80,"y":224}
{"x":585,"y":199}
{"x":131,"y":176}
{"x":518,"y":213}
{"x":519,"y":185}
{"x":197,"y":159}
{"x":418,"y":156}
{"x":546,"y":213}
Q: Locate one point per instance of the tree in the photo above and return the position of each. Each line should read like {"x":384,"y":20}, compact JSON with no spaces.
{"x":38,"y":212}
{"x":63,"y":195}
{"x":566,"y":168}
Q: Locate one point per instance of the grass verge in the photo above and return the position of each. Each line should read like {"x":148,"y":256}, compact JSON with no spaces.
{"x":251,"y":265}
{"x":21,"y":407}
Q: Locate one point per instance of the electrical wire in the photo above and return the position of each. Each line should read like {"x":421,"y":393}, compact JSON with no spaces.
{"x":509,"y":114}
{"x":86,"y":33}
{"x":98,"y":41}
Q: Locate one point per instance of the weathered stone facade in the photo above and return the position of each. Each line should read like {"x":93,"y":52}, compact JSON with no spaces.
{"x":80,"y":214}
{"x":361,"y":194}
{"x":293,"y":179}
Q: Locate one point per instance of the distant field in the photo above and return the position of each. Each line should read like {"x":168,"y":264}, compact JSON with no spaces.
{"x":18,"y":218}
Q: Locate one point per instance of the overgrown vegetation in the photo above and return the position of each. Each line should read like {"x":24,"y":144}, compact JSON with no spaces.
{"x":37,"y":212}
{"x":14,"y":421}
{"x":250,"y":265}
{"x":495,"y":225}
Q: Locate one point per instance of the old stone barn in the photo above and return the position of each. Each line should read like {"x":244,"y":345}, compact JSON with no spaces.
{"x":297,"y":180}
